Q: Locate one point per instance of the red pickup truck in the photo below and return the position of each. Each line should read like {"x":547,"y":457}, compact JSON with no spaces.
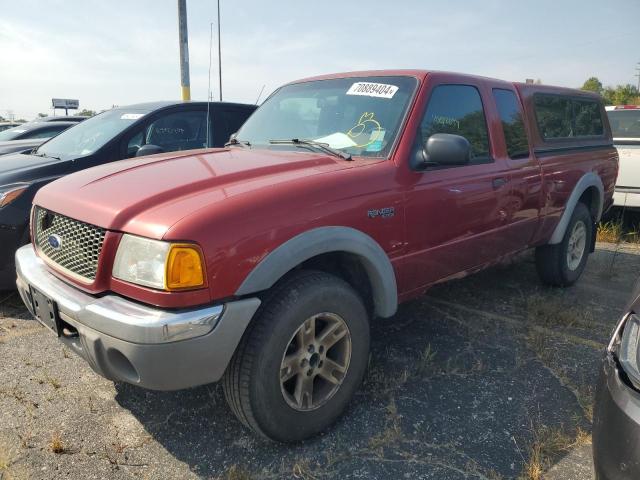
{"x":262,"y":263}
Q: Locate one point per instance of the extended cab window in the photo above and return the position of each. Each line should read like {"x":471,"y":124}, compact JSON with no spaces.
{"x":457,"y":109}
{"x":510,"y":112}
{"x":563,"y":117}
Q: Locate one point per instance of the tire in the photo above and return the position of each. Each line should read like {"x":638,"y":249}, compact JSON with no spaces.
{"x":283,"y":410}
{"x":553,"y":263}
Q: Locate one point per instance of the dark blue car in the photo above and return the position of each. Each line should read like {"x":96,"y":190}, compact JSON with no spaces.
{"x":115,"y":134}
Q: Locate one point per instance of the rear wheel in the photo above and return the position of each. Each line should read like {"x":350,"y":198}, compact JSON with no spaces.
{"x":563,"y":263}
{"x":302,"y":358}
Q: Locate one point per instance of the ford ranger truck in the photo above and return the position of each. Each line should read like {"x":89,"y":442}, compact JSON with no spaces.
{"x":262,"y":263}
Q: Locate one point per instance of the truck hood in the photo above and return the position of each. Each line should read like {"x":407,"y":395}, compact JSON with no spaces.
{"x":146,"y":196}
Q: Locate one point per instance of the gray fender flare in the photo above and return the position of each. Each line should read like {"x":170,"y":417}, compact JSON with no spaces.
{"x":588,"y":180}
{"x":326,"y":240}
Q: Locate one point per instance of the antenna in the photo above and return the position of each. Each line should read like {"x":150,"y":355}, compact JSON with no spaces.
{"x":260,"y":94}
{"x":219,"y":52}
{"x":209,"y":84}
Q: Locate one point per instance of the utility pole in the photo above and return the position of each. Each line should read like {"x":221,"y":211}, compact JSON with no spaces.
{"x":638,"y":75}
{"x":219,"y":53}
{"x":183,"y":40}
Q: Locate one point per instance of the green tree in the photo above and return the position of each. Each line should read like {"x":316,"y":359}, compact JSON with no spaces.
{"x":87,"y":113}
{"x":593,"y":85}
{"x":621,"y":95}
{"x":42,"y":115}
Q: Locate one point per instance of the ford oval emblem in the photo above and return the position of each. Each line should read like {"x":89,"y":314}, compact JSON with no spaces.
{"x":55,"y":242}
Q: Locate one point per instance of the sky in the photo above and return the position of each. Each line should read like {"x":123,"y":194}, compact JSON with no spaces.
{"x":120,"y":52}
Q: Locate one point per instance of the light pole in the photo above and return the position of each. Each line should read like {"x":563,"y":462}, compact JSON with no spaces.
{"x":183,"y":40}
{"x":219,"y":53}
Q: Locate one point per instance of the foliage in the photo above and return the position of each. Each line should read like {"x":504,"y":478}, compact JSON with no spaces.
{"x":592,"y":84}
{"x":87,"y":113}
{"x":42,"y":115}
{"x":618,"y":95}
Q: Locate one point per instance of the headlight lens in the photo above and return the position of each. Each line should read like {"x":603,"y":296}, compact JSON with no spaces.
{"x":158,"y":264}
{"x":8,"y":193}
{"x":629,"y":351}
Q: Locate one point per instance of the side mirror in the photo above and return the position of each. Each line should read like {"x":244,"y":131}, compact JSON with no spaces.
{"x":442,"y":149}
{"x":149,"y":150}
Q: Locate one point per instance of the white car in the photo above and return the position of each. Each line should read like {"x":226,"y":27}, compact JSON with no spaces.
{"x":625,"y":126}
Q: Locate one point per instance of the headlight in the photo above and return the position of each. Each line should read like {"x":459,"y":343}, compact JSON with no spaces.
{"x":8,"y":193}
{"x":629,"y":349}
{"x":158,"y":264}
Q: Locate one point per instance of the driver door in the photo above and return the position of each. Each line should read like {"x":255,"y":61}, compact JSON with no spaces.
{"x":454,"y":214}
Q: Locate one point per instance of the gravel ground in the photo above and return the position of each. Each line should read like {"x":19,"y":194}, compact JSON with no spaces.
{"x":487,"y":377}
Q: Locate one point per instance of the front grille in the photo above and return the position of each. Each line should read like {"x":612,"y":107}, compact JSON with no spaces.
{"x":72,"y":244}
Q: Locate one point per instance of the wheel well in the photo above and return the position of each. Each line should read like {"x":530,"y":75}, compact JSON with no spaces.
{"x":591,"y":198}
{"x":347,"y":266}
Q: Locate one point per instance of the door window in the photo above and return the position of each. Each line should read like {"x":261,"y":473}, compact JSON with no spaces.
{"x":457,"y":109}
{"x":45,"y":132}
{"x":173,"y":131}
{"x":510,"y":112}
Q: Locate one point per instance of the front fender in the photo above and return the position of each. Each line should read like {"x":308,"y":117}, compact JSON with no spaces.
{"x":326,"y":240}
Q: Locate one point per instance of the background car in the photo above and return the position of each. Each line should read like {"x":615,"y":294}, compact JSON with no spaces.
{"x":115,"y":134}
{"x":29,"y":135}
{"x":5,"y":125}
{"x":616,"y":421}
{"x":61,"y":118}
{"x":625,"y":126}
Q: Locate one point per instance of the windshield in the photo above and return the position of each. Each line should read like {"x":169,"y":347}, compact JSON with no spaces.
{"x":624,"y":123}
{"x":88,"y":136}
{"x":358,"y":115}
{"x":13,"y":133}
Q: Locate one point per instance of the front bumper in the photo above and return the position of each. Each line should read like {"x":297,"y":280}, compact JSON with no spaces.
{"x":627,"y":198}
{"x":148,"y":346}
{"x":616,"y":426}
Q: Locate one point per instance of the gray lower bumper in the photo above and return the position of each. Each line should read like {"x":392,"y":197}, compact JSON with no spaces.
{"x":147,"y":346}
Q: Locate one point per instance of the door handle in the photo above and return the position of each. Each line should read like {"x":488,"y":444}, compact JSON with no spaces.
{"x":499,"y":183}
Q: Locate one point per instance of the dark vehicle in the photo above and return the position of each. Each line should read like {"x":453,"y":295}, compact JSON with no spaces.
{"x":616,"y":421}
{"x":116,"y":134}
{"x":30,"y":135}
{"x":5,"y":125}
{"x":62,"y":118}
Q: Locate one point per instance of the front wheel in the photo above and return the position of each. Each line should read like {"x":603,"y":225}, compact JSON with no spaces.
{"x":302,"y":358}
{"x":562,"y":264}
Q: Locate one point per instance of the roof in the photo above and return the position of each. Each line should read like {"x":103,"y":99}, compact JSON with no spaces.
{"x":420,"y":74}
{"x":151,"y":106}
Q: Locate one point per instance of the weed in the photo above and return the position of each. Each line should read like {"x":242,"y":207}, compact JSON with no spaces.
{"x":235,"y":472}
{"x":615,"y":231}
{"x":548,"y":444}
{"x":55,"y":444}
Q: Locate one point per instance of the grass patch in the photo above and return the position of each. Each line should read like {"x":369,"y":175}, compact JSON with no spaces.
{"x":547,"y":311}
{"x":549,"y":444}
{"x":614,"y":231}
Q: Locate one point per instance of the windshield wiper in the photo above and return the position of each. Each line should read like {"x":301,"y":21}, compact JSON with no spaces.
{"x":312,"y":143}
{"x":235,"y":141}
{"x":45,"y":155}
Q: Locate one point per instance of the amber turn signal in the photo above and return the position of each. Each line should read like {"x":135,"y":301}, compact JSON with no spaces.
{"x":185,"y":268}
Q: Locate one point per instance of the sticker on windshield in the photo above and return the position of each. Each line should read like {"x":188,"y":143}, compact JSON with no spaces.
{"x":131,"y":116}
{"x":376,"y":138}
{"x":380,"y":90}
